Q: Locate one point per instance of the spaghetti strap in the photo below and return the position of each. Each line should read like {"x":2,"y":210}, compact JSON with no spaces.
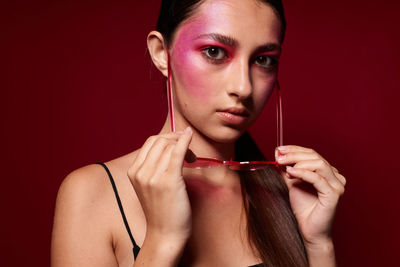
{"x":136,"y":248}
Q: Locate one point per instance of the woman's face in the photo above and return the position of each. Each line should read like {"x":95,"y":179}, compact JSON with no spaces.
{"x":224,"y":61}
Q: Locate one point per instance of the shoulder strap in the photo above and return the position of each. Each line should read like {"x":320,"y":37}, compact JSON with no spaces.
{"x":136,"y":248}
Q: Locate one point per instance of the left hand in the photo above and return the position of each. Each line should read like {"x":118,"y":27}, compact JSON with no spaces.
{"x":315,"y":188}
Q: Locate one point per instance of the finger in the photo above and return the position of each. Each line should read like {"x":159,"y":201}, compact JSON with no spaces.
{"x":293,"y":148}
{"x":322,"y":168}
{"x":288,"y":179}
{"x":334,"y":169}
{"x":341,"y":178}
{"x":148,"y":144}
{"x":151,"y":163}
{"x":294,"y":157}
{"x":179,"y":152}
{"x":165,"y":158}
{"x":319,"y":183}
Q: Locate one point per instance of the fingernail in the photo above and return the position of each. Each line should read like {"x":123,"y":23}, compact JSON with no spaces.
{"x":283,"y":148}
{"x":281,"y":158}
{"x":188,"y":130}
{"x":290,"y":169}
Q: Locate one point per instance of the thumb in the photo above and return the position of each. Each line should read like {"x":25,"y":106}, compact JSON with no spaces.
{"x":181,"y":150}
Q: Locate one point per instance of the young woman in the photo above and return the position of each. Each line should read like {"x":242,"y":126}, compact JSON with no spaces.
{"x":223,"y":59}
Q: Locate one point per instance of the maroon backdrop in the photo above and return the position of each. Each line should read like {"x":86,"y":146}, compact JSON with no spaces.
{"x":78,"y":87}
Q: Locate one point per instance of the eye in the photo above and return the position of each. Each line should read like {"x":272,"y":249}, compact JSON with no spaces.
{"x":214,"y":53}
{"x":266,"y":61}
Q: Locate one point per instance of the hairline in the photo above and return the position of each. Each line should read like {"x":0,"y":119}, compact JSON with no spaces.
{"x":194,"y":10}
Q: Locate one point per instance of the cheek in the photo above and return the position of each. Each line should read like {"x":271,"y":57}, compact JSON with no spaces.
{"x":263,"y":88}
{"x":193,"y":80}
{"x":192,"y":77}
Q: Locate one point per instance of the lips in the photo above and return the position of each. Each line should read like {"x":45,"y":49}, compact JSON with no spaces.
{"x":236,"y":111}
{"x":233,"y":115}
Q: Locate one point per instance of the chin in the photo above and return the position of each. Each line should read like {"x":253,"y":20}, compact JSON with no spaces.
{"x":226,"y":135}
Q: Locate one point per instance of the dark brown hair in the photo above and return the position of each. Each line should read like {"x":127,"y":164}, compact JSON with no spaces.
{"x":272,"y":227}
{"x":174,"y":12}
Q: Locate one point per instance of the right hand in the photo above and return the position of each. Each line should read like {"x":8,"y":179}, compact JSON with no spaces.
{"x":156,"y":175}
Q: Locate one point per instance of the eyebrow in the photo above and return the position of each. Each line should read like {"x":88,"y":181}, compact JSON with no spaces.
{"x":224,"y":39}
{"x":232,"y":42}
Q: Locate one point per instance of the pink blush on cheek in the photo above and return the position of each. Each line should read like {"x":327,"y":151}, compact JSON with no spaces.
{"x":193,"y":81}
{"x":190,"y":69}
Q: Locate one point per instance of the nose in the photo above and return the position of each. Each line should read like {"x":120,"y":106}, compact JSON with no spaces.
{"x":240,"y":85}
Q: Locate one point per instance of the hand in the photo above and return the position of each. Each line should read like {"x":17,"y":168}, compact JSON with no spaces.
{"x":314,"y":191}
{"x":156,"y":175}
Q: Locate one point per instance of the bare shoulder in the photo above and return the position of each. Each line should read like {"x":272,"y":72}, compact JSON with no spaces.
{"x":87,"y":221}
{"x":86,"y":183}
{"x":80,"y":233}
{"x":90,"y":184}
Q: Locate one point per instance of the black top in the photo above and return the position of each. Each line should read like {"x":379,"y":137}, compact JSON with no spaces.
{"x":136,"y":248}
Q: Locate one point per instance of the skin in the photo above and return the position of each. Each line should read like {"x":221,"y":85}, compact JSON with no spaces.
{"x":175,"y":211}
{"x":236,"y":79}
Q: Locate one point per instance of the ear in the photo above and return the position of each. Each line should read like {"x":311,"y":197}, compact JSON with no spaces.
{"x":158,"y":51}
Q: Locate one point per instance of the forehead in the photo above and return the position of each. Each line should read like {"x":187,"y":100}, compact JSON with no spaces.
{"x":248,"y":21}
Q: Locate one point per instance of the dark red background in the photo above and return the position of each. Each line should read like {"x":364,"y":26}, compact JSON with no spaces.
{"x":78,"y":87}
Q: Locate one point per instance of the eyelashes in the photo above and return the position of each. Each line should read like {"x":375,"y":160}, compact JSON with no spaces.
{"x":218,"y":55}
{"x":266,"y":61}
{"x":215,"y":54}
